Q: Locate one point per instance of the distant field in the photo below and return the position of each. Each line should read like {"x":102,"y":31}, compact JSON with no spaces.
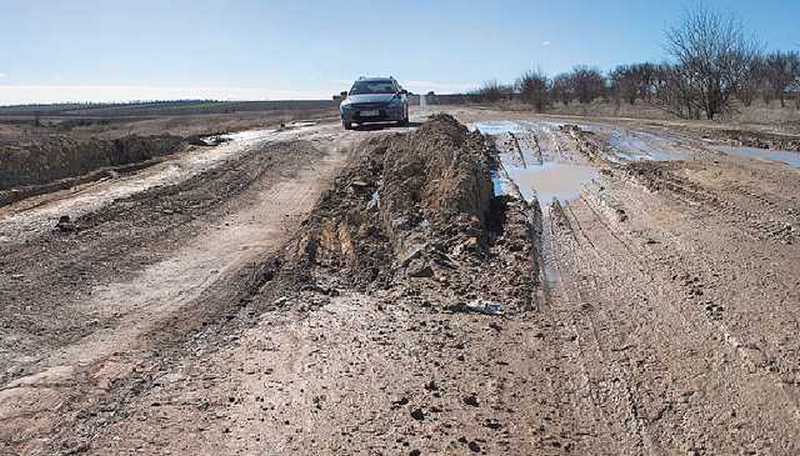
{"x":159,"y":108}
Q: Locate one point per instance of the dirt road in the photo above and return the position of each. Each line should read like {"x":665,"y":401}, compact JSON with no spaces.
{"x":553,"y":287}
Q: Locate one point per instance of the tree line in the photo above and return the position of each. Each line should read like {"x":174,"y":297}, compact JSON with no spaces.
{"x":714,"y":67}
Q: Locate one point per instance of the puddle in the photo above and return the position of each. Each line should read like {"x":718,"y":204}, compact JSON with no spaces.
{"x":534,"y":169}
{"x":784,"y":156}
{"x":551,"y":180}
{"x":644,"y":146}
{"x":498,"y":127}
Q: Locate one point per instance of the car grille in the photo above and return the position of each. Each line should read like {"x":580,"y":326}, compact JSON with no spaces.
{"x":368,"y":105}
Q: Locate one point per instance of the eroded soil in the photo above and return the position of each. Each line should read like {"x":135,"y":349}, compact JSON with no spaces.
{"x":429,"y":290}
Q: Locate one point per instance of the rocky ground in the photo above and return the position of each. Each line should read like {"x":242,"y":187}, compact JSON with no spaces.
{"x":403,"y":291}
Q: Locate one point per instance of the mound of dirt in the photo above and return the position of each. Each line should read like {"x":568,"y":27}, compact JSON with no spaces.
{"x":588,"y":143}
{"x":55,"y":157}
{"x":418,"y":211}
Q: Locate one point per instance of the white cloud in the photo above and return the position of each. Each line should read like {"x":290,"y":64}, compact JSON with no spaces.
{"x":2,"y":75}
{"x":546,"y":43}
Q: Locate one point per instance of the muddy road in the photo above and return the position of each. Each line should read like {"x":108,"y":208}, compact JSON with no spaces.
{"x":474,"y":284}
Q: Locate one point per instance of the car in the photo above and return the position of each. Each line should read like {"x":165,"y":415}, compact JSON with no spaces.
{"x":372,"y":100}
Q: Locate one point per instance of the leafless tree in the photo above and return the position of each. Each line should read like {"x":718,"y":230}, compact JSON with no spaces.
{"x":561,"y":89}
{"x":713,"y":56}
{"x":754,"y":81}
{"x":644,"y":74}
{"x":674,"y":93}
{"x":588,"y":83}
{"x":533,"y":89}
{"x":493,"y":91}
{"x":782,"y":71}
{"x":624,"y":85}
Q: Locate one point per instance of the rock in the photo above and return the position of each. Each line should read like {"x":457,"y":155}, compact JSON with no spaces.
{"x":358,"y":184}
{"x":418,"y":414}
{"x":65,"y":224}
{"x":471,"y":400}
{"x":419,"y":269}
{"x":474,"y":447}
{"x":484,"y":307}
{"x":412,"y":254}
{"x":400,"y":402}
{"x":492,"y":424}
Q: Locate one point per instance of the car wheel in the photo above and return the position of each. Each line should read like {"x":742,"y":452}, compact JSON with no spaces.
{"x":404,"y":120}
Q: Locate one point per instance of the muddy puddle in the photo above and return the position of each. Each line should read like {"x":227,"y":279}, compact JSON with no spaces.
{"x":626,"y":146}
{"x":551,"y":181}
{"x":536,"y":163}
{"x":641,"y":146}
{"x":783,"y":156}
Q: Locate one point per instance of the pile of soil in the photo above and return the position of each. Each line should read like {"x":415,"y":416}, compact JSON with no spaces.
{"x":588,"y":143}
{"x":38,"y":166}
{"x":417,"y":211}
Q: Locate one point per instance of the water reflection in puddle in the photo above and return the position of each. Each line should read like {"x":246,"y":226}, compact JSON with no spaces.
{"x":536,"y":178}
{"x":549,"y":181}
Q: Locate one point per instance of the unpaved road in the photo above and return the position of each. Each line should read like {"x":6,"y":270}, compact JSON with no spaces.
{"x":662,"y":288}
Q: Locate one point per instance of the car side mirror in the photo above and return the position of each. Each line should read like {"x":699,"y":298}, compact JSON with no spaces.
{"x":343,"y":94}
{"x":404,"y":92}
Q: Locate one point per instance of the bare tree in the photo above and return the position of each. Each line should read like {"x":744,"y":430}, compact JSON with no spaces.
{"x":644,"y":75}
{"x":493,"y":91}
{"x":533,"y":89}
{"x":588,"y":83}
{"x":674,"y":93}
{"x":713,"y":56}
{"x":624,"y":84}
{"x":753,"y":82}
{"x":561,"y":89}
{"x":782,"y":72}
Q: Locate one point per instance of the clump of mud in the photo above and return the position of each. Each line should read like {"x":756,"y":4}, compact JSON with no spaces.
{"x":417,"y":212}
{"x":588,"y":143}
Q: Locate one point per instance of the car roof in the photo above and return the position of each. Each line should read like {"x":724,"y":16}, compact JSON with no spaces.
{"x":376,"y":79}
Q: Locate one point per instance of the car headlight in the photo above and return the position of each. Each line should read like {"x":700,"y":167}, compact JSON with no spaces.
{"x":395,"y":102}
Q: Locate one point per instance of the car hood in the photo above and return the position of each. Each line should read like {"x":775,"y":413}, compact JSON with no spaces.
{"x":370,"y":98}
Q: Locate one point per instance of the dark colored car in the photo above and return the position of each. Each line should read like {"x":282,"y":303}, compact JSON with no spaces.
{"x":374,"y":100}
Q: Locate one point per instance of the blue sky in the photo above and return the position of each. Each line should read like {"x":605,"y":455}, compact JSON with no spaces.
{"x":144,"y":49}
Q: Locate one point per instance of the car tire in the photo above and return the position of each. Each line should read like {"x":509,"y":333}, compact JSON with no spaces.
{"x":347,"y":125}
{"x":404,"y":120}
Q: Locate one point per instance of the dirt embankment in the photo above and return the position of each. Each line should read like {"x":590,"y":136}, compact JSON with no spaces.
{"x":760,"y":140}
{"x":420,"y":209}
{"x":58,"y":161}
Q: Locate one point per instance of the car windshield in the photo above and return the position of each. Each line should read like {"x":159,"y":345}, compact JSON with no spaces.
{"x":365,"y":87}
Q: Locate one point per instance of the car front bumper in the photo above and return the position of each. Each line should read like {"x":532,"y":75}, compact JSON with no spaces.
{"x":385,"y":114}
